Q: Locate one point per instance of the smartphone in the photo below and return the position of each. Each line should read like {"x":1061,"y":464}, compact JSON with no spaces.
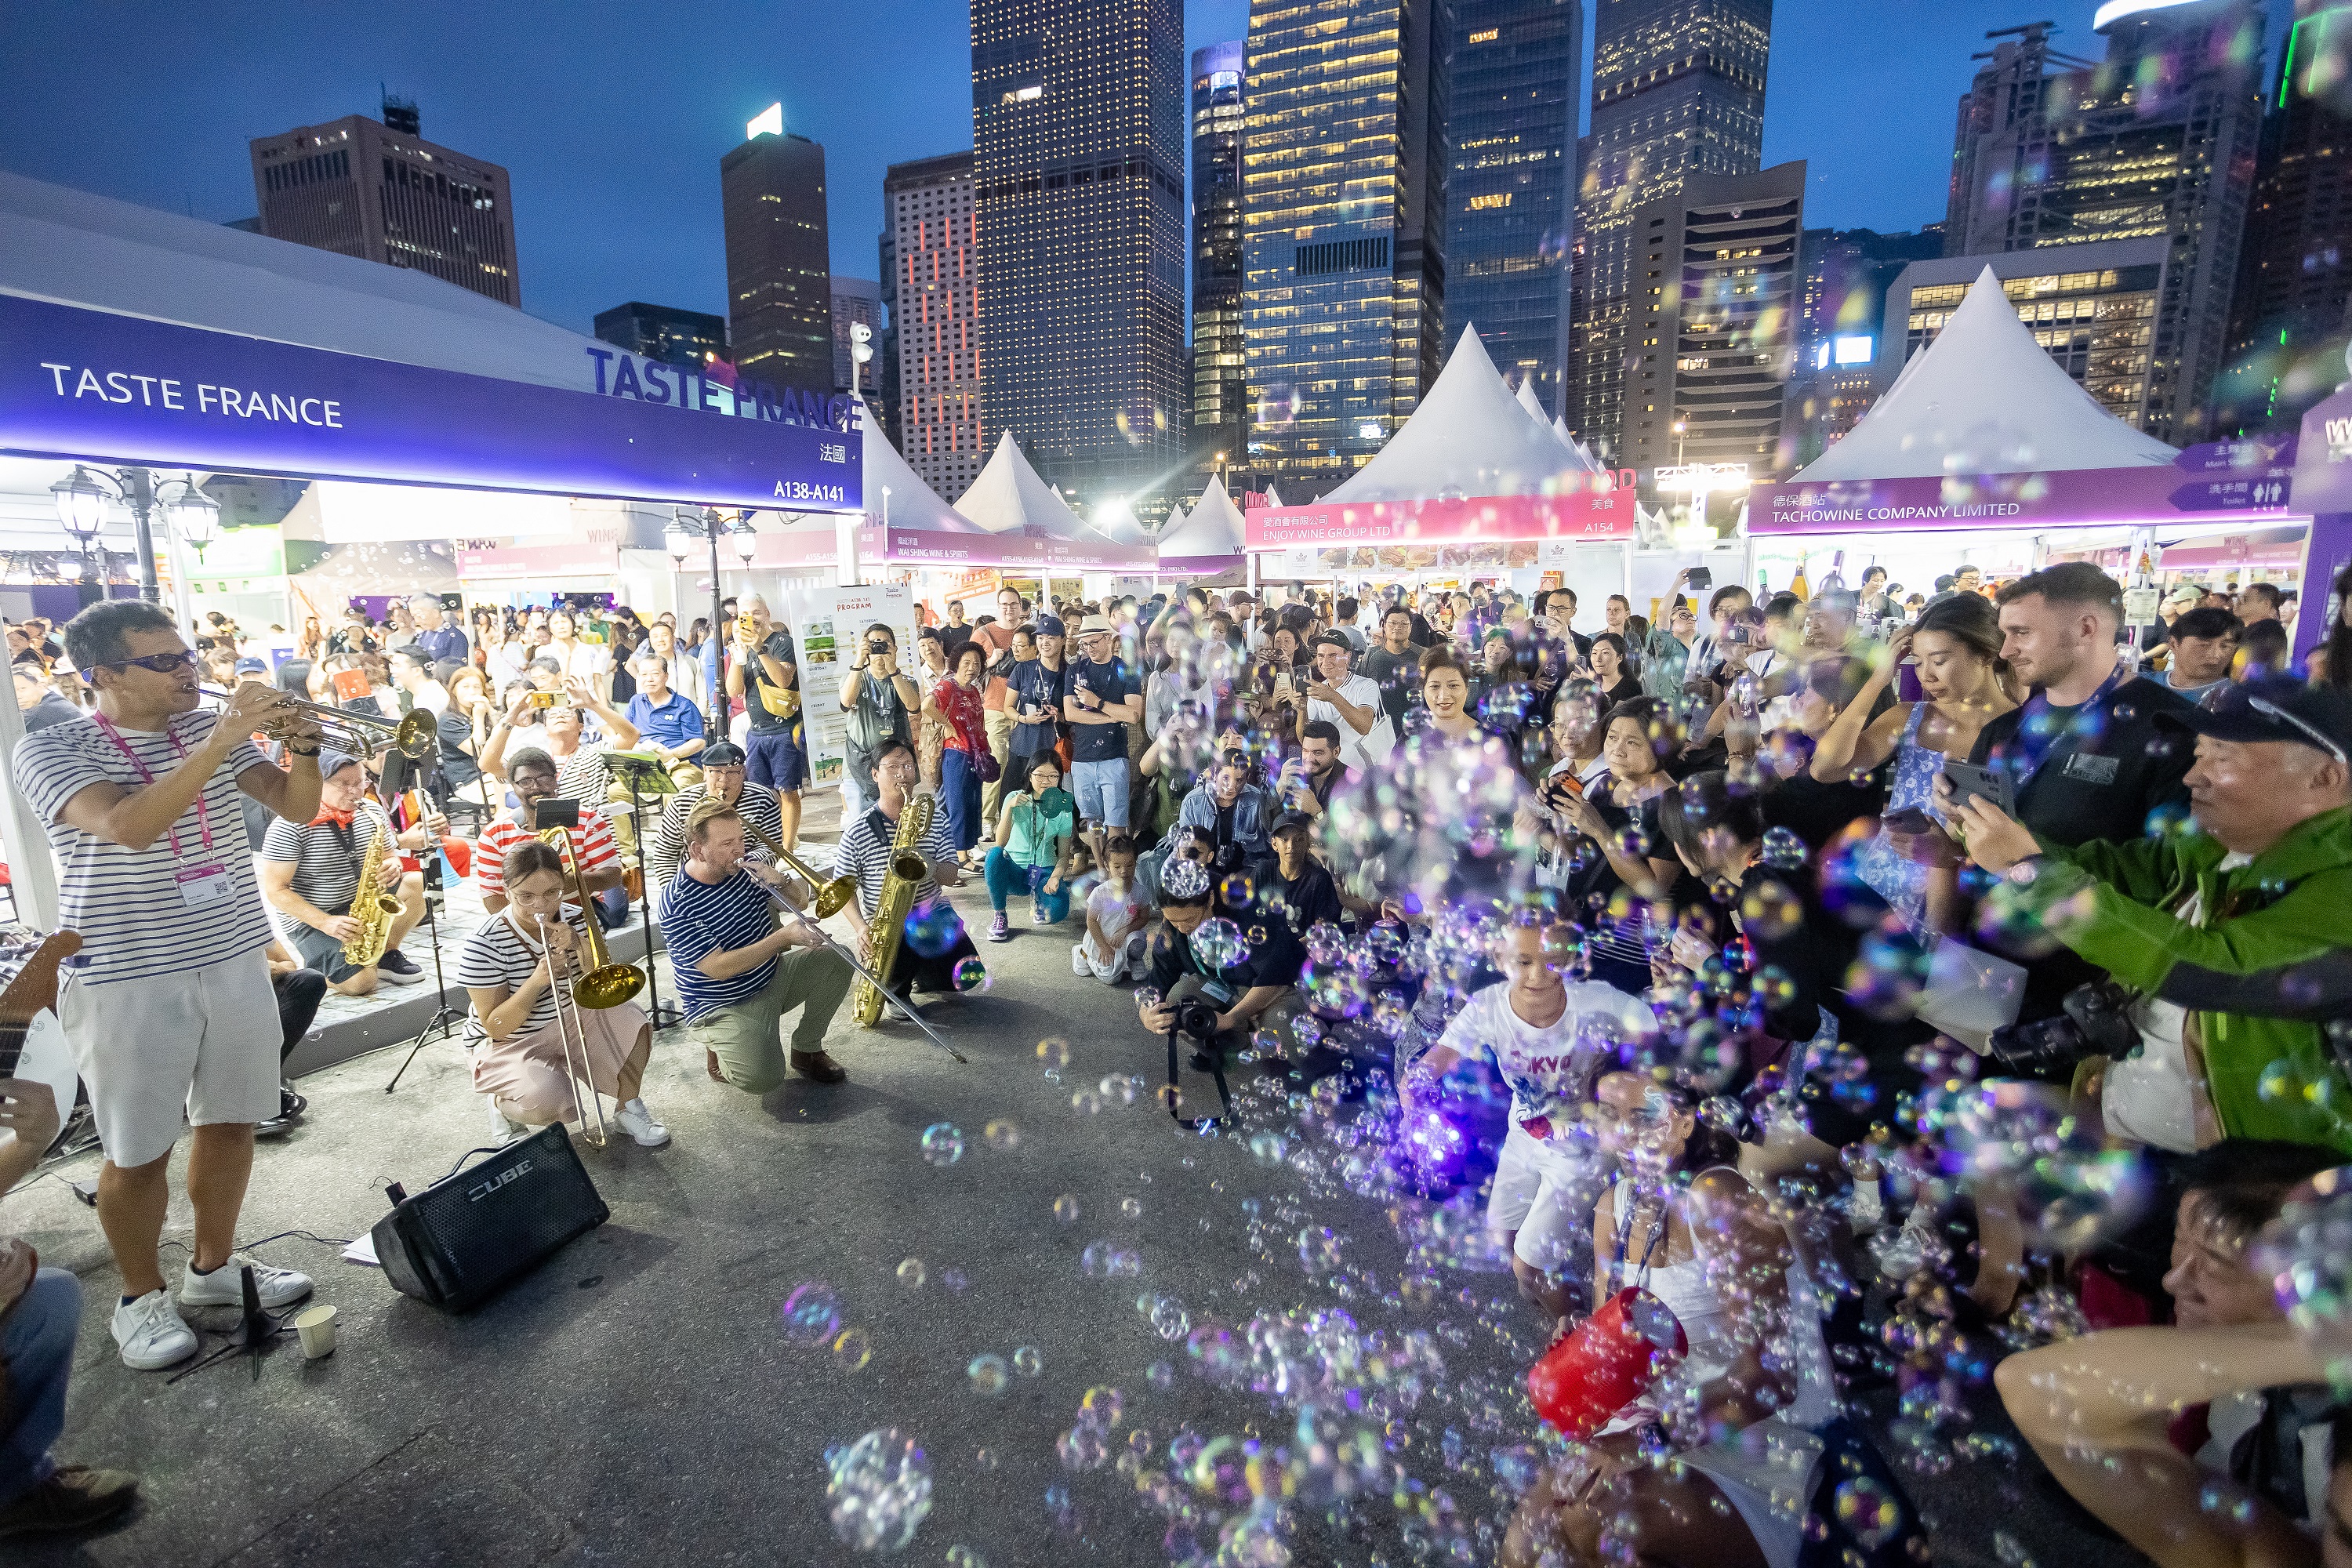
{"x":1701,"y":579}
{"x":544,"y":698}
{"x":1982,"y":783}
{"x":1910,"y":819}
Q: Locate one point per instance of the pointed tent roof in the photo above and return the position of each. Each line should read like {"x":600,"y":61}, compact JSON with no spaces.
{"x":1009,"y":497}
{"x":1212,"y":531}
{"x":1583,"y":455}
{"x":913,"y":503}
{"x":1125,"y":528}
{"x":1470,"y":437}
{"x":1984,"y":397}
{"x":1528,"y":399}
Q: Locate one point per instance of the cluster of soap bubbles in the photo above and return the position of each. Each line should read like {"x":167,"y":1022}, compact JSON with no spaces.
{"x":878,"y":1490}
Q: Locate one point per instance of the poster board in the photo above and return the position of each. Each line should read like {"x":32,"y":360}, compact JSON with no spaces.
{"x":824,"y":620}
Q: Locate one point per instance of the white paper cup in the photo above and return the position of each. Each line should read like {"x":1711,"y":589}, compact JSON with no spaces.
{"x":316,"y":1325}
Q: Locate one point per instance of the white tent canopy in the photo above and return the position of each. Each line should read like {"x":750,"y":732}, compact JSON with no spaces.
{"x":1009,"y":497}
{"x":1211,"y":531}
{"x":1984,"y":398}
{"x":912,"y":503}
{"x":71,"y":247}
{"x":1470,"y":437}
{"x":1584,"y":458}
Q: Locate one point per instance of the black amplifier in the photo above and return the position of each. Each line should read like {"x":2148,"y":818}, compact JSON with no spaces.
{"x":464,"y":1239}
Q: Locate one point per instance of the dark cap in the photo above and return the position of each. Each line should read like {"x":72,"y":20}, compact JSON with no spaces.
{"x":1048,"y":627}
{"x":2272,"y":708}
{"x":331,"y":763}
{"x":722,"y":755}
{"x":1290,"y":819}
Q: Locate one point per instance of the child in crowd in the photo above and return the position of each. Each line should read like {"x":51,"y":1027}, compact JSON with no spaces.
{"x":1113,"y":950}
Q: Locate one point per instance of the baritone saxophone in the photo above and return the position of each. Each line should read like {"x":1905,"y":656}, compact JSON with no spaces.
{"x":889,"y":926}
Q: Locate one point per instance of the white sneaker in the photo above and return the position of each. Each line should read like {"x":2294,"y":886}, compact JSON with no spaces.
{"x":638,"y":1122}
{"x":1078,"y":960}
{"x":151,"y":1334}
{"x":223,"y":1287}
{"x":503,"y":1128}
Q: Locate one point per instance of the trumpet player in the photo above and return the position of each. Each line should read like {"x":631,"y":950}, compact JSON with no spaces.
{"x":725,"y":779}
{"x":169,"y":1008}
{"x":530,"y":1045}
{"x":310,"y":876}
{"x":739,"y":971}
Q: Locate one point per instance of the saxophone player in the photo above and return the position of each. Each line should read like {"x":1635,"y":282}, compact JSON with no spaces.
{"x":866,"y":847}
{"x":310,"y":871}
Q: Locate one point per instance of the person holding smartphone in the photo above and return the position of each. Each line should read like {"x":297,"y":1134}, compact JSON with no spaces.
{"x":881,"y":702}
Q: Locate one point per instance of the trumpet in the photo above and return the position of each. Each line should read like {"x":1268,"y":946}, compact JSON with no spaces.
{"x":358,"y":733}
{"x":830,"y":896}
{"x":574,"y":1034}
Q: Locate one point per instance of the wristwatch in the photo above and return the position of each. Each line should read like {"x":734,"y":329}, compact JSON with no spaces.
{"x":2024,"y":871}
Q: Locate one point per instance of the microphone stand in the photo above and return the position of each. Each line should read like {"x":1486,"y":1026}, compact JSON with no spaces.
{"x":851,"y":959}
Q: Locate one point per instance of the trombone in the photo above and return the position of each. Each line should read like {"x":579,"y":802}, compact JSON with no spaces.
{"x":606,"y":984}
{"x":358,"y":733}
{"x":829,"y":897}
{"x":573,"y":1033}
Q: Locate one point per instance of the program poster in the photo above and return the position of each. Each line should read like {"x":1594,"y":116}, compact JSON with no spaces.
{"x":826,"y":621}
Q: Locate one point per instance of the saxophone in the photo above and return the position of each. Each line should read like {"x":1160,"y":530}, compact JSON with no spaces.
{"x":889,"y":926}
{"x":372,"y":907}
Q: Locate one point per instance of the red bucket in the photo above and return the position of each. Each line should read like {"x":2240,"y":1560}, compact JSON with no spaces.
{"x":1607,"y":1362}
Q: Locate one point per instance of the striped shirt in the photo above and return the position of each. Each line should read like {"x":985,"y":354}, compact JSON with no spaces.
{"x":592,"y":846}
{"x":699,"y":919}
{"x":127,"y":903}
{"x":325,"y":859}
{"x":498,"y":957}
{"x":584,"y":777}
{"x":757,"y":805}
{"x":865,"y":855}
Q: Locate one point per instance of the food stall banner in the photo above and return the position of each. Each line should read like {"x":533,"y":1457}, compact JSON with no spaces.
{"x":82,"y":383}
{"x":1594,"y":513}
{"x":2232,"y":481}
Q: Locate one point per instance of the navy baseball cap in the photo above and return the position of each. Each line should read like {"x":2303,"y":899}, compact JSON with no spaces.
{"x":1049,"y":626}
{"x":2272,"y":708}
{"x":722,"y":755}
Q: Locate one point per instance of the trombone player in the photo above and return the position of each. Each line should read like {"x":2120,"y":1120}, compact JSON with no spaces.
{"x":725,"y":778}
{"x":738,"y":969}
{"x":533,"y":1047}
{"x":310,"y":874}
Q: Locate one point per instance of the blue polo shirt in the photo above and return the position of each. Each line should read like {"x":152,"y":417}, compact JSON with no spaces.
{"x":674,"y":723}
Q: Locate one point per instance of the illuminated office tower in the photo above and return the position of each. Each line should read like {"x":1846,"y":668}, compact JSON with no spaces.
{"x":2287,"y":319}
{"x":1078,"y":114}
{"x":2157,"y":140}
{"x":1343,"y":230}
{"x":934,"y":292}
{"x":1219,"y":373}
{"x":381,"y":192}
{"x":1677,"y":90}
{"x":779,"y":272}
{"x":1510,"y":182}
{"x":664,"y":332}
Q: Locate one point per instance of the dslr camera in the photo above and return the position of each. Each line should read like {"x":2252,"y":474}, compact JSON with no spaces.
{"x":1194,"y":1017}
{"x":2096,"y":1023}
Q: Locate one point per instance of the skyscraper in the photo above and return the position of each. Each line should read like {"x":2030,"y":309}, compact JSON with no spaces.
{"x":779,"y":272}
{"x":1842,"y":276}
{"x":1510,"y":182}
{"x":2287,"y":320}
{"x":883,"y":399}
{"x":855,"y":301}
{"x":1219,"y":373}
{"x":936,"y":319}
{"x":1343,"y":225}
{"x":2158,"y":139}
{"x":664,"y":332}
{"x":1077,"y":112}
{"x":1677,"y":90}
{"x":1719,"y":326}
{"x":381,"y":192}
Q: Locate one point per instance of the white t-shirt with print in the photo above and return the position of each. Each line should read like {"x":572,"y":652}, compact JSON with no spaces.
{"x":1356,"y":750}
{"x":1550,"y":1074}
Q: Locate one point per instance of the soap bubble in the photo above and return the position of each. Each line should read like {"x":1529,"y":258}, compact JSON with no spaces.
{"x":1783,"y":851}
{"x":943,"y":1143}
{"x":1219,"y":943}
{"x":852,"y":1349}
{"x":911,"y":1274}
{"x":1002,"y":1136}
{"x":1131,"y":1207}
{"x":969,"y":975}
{"x":812,"y":1314}
{"x":987,"y":1373}
{"x":880,"y":1491}
{"x":1868,"y":1511}
{"x":1066,"y":1209}
{"x":932,"y":929}
{"x":1054,"y":1051}
{"x":1028,"y":1361}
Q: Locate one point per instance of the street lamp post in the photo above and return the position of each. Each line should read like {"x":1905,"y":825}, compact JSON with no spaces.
{"x":689,"y":527}
{"x":82,"y":498}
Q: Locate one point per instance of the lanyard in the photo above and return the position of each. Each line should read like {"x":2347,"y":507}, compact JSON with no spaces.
{"x":204,"y":818}
{"x":2037,"y":736}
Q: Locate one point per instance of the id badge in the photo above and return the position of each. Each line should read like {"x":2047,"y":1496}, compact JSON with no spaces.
{"x":203,"y":885}
{"x":1217,"y":991}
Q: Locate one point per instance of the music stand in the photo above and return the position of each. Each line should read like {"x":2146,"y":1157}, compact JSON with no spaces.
{"x":639,"y":774}
{"x":446,"y":1018}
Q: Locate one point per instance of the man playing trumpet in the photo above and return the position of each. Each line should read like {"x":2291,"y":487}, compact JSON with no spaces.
{"x":739,"y":971}
{"x":169,"y":1007}
{"x":310,"y":874}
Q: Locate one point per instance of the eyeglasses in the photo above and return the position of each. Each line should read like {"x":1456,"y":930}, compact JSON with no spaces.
{"x":161,"y":663}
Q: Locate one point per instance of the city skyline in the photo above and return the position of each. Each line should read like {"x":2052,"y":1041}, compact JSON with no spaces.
{"x":167,"y":126}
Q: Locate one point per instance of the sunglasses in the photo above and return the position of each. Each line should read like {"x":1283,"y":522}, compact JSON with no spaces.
{"x":161,"y":663}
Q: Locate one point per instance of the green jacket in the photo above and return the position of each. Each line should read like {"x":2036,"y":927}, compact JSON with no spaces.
{"x":2111,"y":903}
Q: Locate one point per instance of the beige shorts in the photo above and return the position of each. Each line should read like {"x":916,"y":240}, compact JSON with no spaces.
{"x":199,"y":1045}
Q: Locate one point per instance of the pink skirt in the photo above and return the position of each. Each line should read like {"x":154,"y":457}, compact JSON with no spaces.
{"x":527,"y":1076}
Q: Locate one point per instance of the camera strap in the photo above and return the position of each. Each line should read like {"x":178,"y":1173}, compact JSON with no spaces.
{"x":1216,"y":1070}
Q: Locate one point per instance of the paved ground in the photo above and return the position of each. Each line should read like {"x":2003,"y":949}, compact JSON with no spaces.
{"x":636,"y":1400}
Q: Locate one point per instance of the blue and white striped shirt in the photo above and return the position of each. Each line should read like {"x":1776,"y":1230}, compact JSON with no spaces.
{"x":699,"y":919}
{"x":127,"y":903}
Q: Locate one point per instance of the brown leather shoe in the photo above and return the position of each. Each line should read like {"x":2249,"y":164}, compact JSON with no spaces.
{"x":74,"y":1498}
{"x":819,"y":1066}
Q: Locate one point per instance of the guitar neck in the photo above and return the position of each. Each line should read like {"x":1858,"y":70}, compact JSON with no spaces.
{"x":31,"y":993}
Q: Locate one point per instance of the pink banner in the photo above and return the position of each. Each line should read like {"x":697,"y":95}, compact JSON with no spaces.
{"x":1607,"y":514}
{"x":2159,"y":493}
{"x":921,"y":546}
{"x":575,"y":557}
